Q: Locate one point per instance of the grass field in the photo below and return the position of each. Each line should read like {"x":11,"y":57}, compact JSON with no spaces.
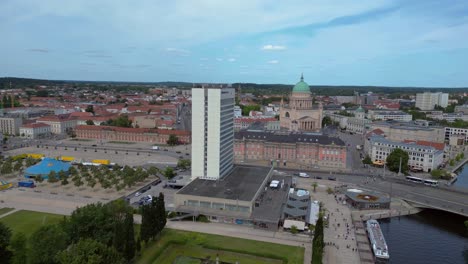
{"x":5,"y":210}
{"x":28,"y":221}
{"x":174,"y":243}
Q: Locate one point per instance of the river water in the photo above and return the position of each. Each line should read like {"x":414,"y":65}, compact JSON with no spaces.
{"x":462,"y":179}
{"x":430,"y":237}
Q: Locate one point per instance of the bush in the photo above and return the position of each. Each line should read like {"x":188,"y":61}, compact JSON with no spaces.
{"x":294,"y":229}
{"x":203,"y":219}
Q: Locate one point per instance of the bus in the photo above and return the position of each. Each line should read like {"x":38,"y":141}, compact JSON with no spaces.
{"x":414,"y":179}
{"x":432,"y":183}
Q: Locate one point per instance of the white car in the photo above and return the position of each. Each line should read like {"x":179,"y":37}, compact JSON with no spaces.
{"x":303,"y":175}
{"x":137,"y":194}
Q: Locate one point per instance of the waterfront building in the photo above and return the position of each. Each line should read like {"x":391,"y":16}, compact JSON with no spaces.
{"x":212,"y":132}
{"x":449,"y":131}
{"x":427,"y":101}
{"x":289,"y":149}
{"x":300,"y":114}
{"x":421,"y":157}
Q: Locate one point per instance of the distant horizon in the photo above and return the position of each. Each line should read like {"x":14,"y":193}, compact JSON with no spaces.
{"x":286,"y":84}
{"x":390,"y":43}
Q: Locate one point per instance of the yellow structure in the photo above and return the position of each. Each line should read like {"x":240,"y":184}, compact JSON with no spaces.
{"x":66,"y":158}
{"x":5,"y":185}
{"x":35,"y":156}
{"x":101,"y":161}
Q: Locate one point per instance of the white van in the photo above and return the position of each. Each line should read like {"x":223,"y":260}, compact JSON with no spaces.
{"x":303,"y":175}
{"x":155,"y":148}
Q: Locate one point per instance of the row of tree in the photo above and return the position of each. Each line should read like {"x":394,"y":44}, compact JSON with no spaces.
{"x":318,"y":242}
{"x":9,"y":101}
{"x":96,"y":233}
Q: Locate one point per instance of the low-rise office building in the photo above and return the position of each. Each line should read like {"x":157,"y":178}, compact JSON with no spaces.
{"x":389,"y":115}
{"x":449,"y":131}
{"x":421,"y":157}
{"x":400,"y":131}
{"x":59,"y":124}
{"x":35,"y":130}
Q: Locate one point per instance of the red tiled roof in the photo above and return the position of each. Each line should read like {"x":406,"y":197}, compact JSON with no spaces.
{"x":55,"y":118}
{"x":35,"y":125}
{"x":439,"y":146}
{"x":81,"y":114}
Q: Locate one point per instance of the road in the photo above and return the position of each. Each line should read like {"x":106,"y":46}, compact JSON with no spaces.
{"x":185,"y":118}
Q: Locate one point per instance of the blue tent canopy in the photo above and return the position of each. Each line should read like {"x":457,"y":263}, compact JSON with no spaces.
{"x":44,"y":167}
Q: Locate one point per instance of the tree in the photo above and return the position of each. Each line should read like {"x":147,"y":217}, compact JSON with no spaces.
{"x":7,"y":167}
{"x":89,"y":251}
{"x":367,"y":160}
{"x":247,"y":108}
{"x":153,"y":170}
{"x":173,"y":140}
{"x":294,"y":230}
{"x":314,"y":185}
{"x":161,"y":212}
{"x":63,"y":177}
{"x":466,"y":224}
{"x":52,"y":177}
{"x":90,"y":122}
{"x":326,"y":121}
{"x":393,"y":160}
{"x":452,"y":162}
{"x":18,"y":246}
{"x":138,"y":245}
{"x":89,"y":109}
{"x":45,"y":243}
{"x":5,"y":236}
{"x":18,"y":166}
{"x":145,"y":227}
{"x":169,"y":173}
{"x":129,"y":249}
{"x":317,"y":242}
{"x":184,"y":163}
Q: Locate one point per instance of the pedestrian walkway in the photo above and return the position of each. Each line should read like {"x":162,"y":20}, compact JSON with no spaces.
{"x":9,"y":213}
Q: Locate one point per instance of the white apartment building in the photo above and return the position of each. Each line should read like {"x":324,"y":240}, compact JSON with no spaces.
{"x":449,"y":131}
{"x":212,"y":132}
{"x":59,"y":124}
{"x":426,"y":101}
{"x":237,"y":111}
{"x":390,"y":115}
{"x":423,"y":158}
{"x":10,"y":125}
{"x":35,"y":130}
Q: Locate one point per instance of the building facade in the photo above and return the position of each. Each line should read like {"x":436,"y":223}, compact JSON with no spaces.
{"x":389,"y":115}
{"x":400,"y":131}
{"x":10,"y":125}
{"x":59,"y":124}
{"x":427,"y":101}
{"x":449,"y":131}
{"x":35,"y":130}
{"x":212,"y":132}
{"x":424,"y":158}
{"x":299,"y":114}
{"x":245,"y":122}
{"x":159,"y":136}
{"x":289,"y":149}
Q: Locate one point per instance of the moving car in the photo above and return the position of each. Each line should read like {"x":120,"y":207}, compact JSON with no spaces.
{"x":331,"y":178}
{"x":303,"y":175}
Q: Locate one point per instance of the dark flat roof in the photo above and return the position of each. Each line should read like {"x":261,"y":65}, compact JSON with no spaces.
{"x":363,"y":197}
{"x":241,"y":184}
{"x":270,"y":203}
{"x":303,"y":137}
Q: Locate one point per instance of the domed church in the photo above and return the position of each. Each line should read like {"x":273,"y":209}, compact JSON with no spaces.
{"x":300,"y":114}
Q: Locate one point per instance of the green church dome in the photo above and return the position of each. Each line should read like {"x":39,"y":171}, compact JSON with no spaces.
{"x":301,"y":86}
{"x":360,"y":110}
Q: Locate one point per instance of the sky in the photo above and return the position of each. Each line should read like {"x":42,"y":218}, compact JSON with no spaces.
{"x":332,"y":42}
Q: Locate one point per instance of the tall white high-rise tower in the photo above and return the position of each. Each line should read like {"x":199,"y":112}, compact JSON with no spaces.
{"x":212,"y":132}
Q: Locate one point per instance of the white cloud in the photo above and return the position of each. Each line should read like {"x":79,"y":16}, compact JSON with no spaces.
{"x":273,"y":47}
{"x":219,"y":59}
{"x":231,"y":60}
{"x":203,"y":59}
{"x":273,"y":61}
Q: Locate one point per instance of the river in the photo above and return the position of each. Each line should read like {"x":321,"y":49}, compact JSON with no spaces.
{"x":430,"y":237}
{"x":462,"y":179}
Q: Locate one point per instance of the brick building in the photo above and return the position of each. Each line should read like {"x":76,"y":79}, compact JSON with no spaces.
{"x":159,"y":136}
{"x":292,"y":149}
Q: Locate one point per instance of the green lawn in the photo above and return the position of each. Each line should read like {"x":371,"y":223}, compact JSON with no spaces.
{"x":28,"y":221}
{"x":203,"y":245}
{"x":5,"y":210}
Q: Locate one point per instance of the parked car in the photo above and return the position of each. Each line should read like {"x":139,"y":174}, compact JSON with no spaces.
{"x":165,"y":149}
{"x":318,"y":177}
{"x":137,"y":194}
{"x":156,"y":182}
{"x":178,"y":152}
{"x":303,"y":175}
{"x":331,"y":178}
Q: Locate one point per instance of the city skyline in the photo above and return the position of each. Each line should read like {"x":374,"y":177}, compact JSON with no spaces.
{"x":385,"y":43}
